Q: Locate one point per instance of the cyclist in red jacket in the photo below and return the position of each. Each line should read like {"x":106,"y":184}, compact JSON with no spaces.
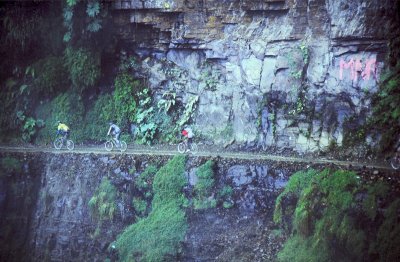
{"x":187,"y":132}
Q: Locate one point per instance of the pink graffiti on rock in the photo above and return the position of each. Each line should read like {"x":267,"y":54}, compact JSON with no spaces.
{"x":355,"y":66}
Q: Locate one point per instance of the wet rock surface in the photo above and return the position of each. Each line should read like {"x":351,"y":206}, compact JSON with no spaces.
{"x":312,"y":65}
{"x":45,"y":209}
{"x":226,"y":235}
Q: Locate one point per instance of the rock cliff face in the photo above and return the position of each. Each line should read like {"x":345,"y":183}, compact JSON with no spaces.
{"x":294,"y":74}
{"x":46,"y":215}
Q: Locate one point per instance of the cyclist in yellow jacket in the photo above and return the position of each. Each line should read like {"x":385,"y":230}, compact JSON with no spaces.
{"x":62,"y":129}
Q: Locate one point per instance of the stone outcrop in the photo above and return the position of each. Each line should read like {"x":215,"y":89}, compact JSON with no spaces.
{"x":312,"y":64}
{"x":46,"y":214}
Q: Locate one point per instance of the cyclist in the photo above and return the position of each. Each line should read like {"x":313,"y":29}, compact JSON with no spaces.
{"x":397,"y":149}
{"x":115,"y":131}
{"x":395,"y":159}
{"x":187,"y":132}
{"x":62,"y":129}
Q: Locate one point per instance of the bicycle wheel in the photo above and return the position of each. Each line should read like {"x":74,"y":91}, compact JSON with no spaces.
{"x":109,"y":145}
{"x":123,"y":145}
{"x":193,"y":148}
{"x":58,"y":143}
{"x":395,"y":162}
{"x":181,"y":147}
{"x":70,"y":145}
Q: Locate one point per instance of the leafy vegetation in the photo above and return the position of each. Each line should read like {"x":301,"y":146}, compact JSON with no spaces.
{"x":386,"y":110}
{"x":189,"y":110}
{"x":167,"y":101}
{"x":166,"y":116}
{"x":209,"y":78}
{"x":298,"y":59}
{"x":84,"y":22}
{"x":98,"y":116}
{"x":128,"y":64}
{"x":144,"y":118}
{"x":8,"y":118}
{"x":67,"y":108}
{"x":70,"y":75}
{"x":157,"y":237}
{"x":103,"y":202}
{"x":333,"y":216}
{"x":225,"y":195}
{"x":204,"y":186}
{"x":38,"y":67}
{"x":83,"y":67}
{"x":140,"y":206}
{"x":353,"y":134}
{"x":125,"y":99}
{"x":49,"y":75}
{"x":167,"y":130}
{"x":388,"y":237}
{"x":29,"y":126}
{"x":145,"y":180}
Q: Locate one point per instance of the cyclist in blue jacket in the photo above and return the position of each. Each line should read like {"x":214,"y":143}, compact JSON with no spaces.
{"x":115,"y":131}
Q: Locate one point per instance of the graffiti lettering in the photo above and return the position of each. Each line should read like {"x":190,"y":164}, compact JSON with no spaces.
{"x":355,"y":66}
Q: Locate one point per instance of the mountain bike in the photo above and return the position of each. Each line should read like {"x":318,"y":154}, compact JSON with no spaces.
{"x":183,"y":147}
{"x":395,"y":161}
{"x":111,"y":143}
{"x":61,"y":141}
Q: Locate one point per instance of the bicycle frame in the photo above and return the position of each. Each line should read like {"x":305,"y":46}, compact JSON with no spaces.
{"x":121,"y":145}
{"x":64,"y":142}
{"x":185,"y":143}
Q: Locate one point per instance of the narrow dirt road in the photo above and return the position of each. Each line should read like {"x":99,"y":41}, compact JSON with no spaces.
{"x":171,"y":152}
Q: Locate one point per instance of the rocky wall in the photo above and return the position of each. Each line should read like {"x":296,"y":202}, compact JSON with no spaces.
{"x":45,"y":212}
{"x":19,"y":193}
{"x":295,"y":74}
{"x":49,"y":219}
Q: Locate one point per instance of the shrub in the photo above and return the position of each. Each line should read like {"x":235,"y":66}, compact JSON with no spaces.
{"x":125,"y":99}
{"x":296,"y":184}
{"x":49,"y":75}
{"x":375,"y":194}
{"x":333,"y":216}
{"x":227,"y":204}
{"x":67,"y":108}
{"x":144,"y":181}
{"x":204,"y":186}
{"x":322,"y":217}
{"x":225,"y":195}
{"x":15,"y":101}
{"x":386,"y":110}
{"x":187,"y":114}
{"x":158,"y":236}
{"x":29,"y":128}
{"x":83,"y":67}
{"x":166,"y":126}
{"x":98,"y":117}
{"x":145,"y":118}
{"x":299,"y":249}
{"x":388,"y":238}
{"x":169,"y":181}
{"x":102,"y":204}
{"x":226,"y":192}
{"x":167,"y":101}
{"x":140,"y":206}
{"x":20,"y":27}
